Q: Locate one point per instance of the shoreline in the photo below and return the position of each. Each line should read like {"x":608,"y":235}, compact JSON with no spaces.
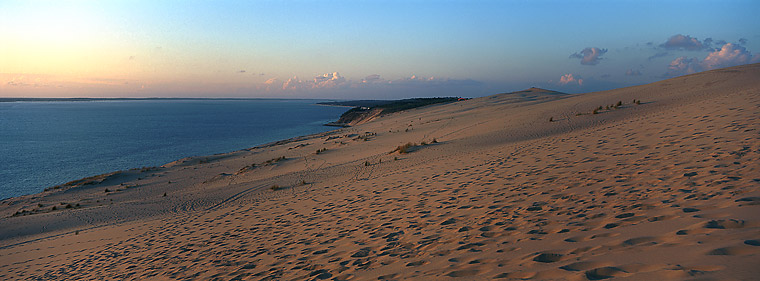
{"x":493,"y":187}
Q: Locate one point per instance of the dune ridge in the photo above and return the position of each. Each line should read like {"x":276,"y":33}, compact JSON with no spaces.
{"x":666,"y":188}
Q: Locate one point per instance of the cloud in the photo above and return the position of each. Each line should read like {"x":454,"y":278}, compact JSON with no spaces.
{"x":329,"y":80}
{"x":658,"y":55}
{"x":684,"y":42}
{"x":373,"y":78}
{"x":683,"y":65}
{"x":570,"y":79}
{"x":589,"y":56}
{"x":632,"y":72}
{"x":728,"y":55}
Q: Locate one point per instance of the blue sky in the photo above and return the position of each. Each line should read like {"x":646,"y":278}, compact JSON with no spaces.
{"x":362,"y":49}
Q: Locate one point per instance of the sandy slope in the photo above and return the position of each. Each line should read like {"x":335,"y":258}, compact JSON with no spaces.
{"x":667,"y":189}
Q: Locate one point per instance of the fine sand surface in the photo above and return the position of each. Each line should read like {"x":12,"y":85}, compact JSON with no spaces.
{"x":666,"y":189}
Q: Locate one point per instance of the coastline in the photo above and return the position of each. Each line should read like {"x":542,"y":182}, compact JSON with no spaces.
{"x":493,"y":187}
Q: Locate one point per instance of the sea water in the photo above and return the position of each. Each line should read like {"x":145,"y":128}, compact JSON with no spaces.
{"x":43,"y":144}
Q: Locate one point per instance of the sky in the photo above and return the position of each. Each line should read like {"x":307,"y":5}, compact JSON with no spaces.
{"x":362,"y":49}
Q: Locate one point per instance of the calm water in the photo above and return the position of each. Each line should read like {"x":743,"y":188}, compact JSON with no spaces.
{"x":43,"y":144}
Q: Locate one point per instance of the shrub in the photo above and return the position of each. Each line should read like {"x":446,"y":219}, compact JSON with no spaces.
{"x":403,"y":149}
{"x":274,"y":187}
{"x":551,"y":119}
{"x":638,"y":102}
{"x":619,"y":103}
{"x":68,"y":206}
{"x":434,"y":141}
{"x":53,"y":209}
{"x":366,"y":163}
{"x":107,"y":190}
{"x":423,"y":143}
{"x":596,"y":111}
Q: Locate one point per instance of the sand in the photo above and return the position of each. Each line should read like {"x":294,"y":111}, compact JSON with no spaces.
{"x":664,"y":189}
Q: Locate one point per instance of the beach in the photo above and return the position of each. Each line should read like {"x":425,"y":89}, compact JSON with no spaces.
{"x":658,"y":181}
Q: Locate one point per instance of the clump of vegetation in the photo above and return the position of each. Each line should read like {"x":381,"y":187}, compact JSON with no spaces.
{"x":434,"y":141}
{"x":637,"y":102}
{"x":321,"y":150}
{"x":551,"y":119}
{"x":395,"y":158}
{"x":366,"y":163}
{"x":106,"y":191}
{"x":619,"y":104}
{"x":68,"y":206}
{"x":303,"y":182}
{"x":423,"y":143}
{"x":596,"y":111}
{"x":164,"y":194}
{"x":274,"y":187}
{"x":404,"y":149}
{"x":275,"y":160}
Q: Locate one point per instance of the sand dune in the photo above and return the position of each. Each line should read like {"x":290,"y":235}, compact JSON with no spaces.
{"x":663,"y":189}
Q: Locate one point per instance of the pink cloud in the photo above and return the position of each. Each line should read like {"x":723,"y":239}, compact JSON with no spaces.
{"x":728,"y":55}
{"x":570,"y":79}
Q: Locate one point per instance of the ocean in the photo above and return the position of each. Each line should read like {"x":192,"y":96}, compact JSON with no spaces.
{"x":46,"y":143}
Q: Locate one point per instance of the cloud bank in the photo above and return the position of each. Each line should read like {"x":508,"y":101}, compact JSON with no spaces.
{"x":728,"y":55}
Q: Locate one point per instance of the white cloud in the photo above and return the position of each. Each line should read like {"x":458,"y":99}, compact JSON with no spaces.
{"x":329,"y":80}
{"x":570,"y":79}
{"x":589,"y":56}
{"x":728,"y":55}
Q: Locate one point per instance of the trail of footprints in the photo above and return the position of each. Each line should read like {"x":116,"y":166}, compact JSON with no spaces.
{"x":539,"y":213}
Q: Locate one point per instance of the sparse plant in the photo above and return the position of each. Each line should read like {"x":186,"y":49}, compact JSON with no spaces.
{"x":303,"y":182}
{"x":551,"y":119}
{"x":76,"y":232}
{"x":68,"y":206}
{"x":436,"y":141}
{"x":423,"y":143}
{"x":366,"y":163}
{"x":164,"y":194}
{"x":619,"y":103}
{"x":403,"y":149}
{"x":638,"y":102}
{"x":395,"y":158}
{"x":596,"y":111}
{"x":53,"y":209}
{"x":274,"y":187}
{"x":107,"y":190}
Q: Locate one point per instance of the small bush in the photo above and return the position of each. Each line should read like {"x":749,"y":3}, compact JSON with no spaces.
{"x":53,"y":209}
{"x":107,"y":190}
{"x":366,"y":163}
{"x":403,"y":149}
{"x":68,"y":206}
{"x":303,"y":182}
{"x":395,"y":158}
{"x":274,"y":187}
{"x":551,"y":119}
{"x":164,"y":194}
{"x":619,"y":103}
{"x":596,"y":111}
{"x":434,"y":141}
{"x":638,"y":102}
{"x":423,"y":143}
